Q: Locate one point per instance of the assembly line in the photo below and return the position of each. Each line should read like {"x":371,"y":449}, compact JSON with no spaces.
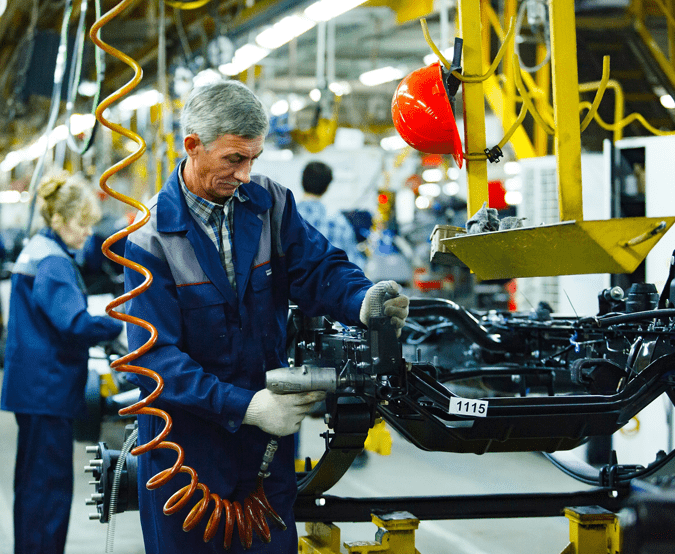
{"x":288,"y":287}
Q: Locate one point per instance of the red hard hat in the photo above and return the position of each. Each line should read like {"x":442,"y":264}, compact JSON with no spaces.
{"x":423,"y":115}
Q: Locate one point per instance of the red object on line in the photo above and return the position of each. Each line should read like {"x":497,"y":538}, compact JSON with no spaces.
{"x":512,"y":288}
{"x":432,"y":160}
{"x":497,"y":195}
{"x":423,"y":116}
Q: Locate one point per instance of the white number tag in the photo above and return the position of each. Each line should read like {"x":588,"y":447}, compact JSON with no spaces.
{"x":468,"y":407}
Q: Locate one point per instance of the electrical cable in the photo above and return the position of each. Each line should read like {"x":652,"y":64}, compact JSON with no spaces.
{"x":75,"y":75}
{"x":249,"y":516}
{"x":625,"y":121}
{"x":627,"y":318}
{"x":59,"y":70}
{"x":114,"y":491}
{"x":595,"y":478}
{"x":24,"y":54}
{"x":546,"y":36}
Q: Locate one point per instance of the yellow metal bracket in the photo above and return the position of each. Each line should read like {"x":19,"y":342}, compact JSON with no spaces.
{"x":593,"y":530}
{"x":573,"y":246}
{"x":567,"y":248}
{"x":321,"y":538}
{"x":395,"y":535}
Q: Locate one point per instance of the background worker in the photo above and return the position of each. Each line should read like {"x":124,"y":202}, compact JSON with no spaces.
{"x":49,"y":332}
{"x":316,"y":177}
{"x":228,"y":250}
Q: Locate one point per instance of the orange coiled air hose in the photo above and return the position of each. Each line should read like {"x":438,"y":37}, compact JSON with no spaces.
{"x":249,"y":517}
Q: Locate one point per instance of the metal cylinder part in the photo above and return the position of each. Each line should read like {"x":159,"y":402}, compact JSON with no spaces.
{"x":305,"y":378}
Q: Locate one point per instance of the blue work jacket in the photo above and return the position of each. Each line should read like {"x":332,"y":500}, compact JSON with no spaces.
{"x":214,"y":345}
{"x":49,"y":332}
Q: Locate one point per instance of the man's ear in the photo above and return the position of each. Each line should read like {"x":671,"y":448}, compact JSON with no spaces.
{"x":191,"y":144}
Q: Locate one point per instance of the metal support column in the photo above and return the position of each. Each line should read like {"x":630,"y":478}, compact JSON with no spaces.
{"x":566,"y":109}
{"x":474,"y":103}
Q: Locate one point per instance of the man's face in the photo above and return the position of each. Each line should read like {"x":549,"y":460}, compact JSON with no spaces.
{"x":216,"y":173}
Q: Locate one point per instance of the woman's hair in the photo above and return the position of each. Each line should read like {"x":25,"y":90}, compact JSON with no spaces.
{"x":69,"y":196}
{"x":223,"y":108}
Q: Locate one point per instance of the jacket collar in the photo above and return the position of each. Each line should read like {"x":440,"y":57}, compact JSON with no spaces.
{"x":173,"y":215}
{"x":51,"y":234}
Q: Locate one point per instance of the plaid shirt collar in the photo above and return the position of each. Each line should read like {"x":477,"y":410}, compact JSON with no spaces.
{"x":201,"y":207}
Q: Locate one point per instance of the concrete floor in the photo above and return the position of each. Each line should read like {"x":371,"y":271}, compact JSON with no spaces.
{"x":407,"y":471}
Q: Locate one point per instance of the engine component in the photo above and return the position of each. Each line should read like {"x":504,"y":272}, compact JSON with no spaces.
{"x":102,"y":468}
{"x":465,"y":381}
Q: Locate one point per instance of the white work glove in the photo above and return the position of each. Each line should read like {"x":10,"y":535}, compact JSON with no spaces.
{"x":396,"y":307}
{"x":280,"y":414}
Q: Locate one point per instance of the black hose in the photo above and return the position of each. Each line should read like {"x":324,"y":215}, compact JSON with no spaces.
{"x":463,"y":319}
{"x":585,"y":473}
{"x":627,"y":318}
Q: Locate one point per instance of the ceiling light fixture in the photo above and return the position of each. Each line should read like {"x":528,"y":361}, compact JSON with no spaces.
{"x":296,"y":103}
{"x":9,"y":196}
{"x":453,"y":173}
{"x":381,"y":75}
{"x":87,"y":88}
{"x":422,"y":202}
{"x":512,"y":168}
{"x":667,"y":101}
{"x":284,"y":31}
{"x":451,"y":188}
{"x":324,"y":10}
{"x":340,"y":88}
{"x":143,"y":99}
{"x":280,"y":107}
{"x":79,"y":123}
{"x":513,"y":197}
{"x":244,"y":57}
{"x":430,"y":189}
{"x":432,"y":175}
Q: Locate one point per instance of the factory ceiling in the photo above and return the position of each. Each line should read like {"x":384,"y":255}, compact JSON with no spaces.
{"x":376,"y":34}
{"x":365,"y":38}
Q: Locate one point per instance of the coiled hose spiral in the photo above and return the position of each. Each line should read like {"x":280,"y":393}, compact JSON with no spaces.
{"x":249,"y":517}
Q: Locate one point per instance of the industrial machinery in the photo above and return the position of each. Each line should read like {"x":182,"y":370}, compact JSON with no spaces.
{"x":470,"y":382}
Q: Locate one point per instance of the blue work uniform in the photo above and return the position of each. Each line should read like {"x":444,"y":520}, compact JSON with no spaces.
{"x":49,"y":333}
{"x":214,"y":345}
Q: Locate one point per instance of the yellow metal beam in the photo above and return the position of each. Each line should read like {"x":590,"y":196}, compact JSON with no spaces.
{"x":573,"y":246}
{"x":541,"y":102}
{"x":474,"y":103}
{"x":567,"y":141}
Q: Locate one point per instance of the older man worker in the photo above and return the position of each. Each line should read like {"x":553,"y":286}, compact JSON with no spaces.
{"x":228,"y":251}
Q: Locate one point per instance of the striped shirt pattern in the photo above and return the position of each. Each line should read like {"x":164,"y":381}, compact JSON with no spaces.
{"x":218,"y":223}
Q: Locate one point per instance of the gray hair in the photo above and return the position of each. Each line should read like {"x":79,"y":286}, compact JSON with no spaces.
{"x":223,"y":108}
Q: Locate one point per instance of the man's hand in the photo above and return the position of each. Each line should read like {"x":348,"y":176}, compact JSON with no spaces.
{"x":394,"y":305}
{"x":280,"y":414}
